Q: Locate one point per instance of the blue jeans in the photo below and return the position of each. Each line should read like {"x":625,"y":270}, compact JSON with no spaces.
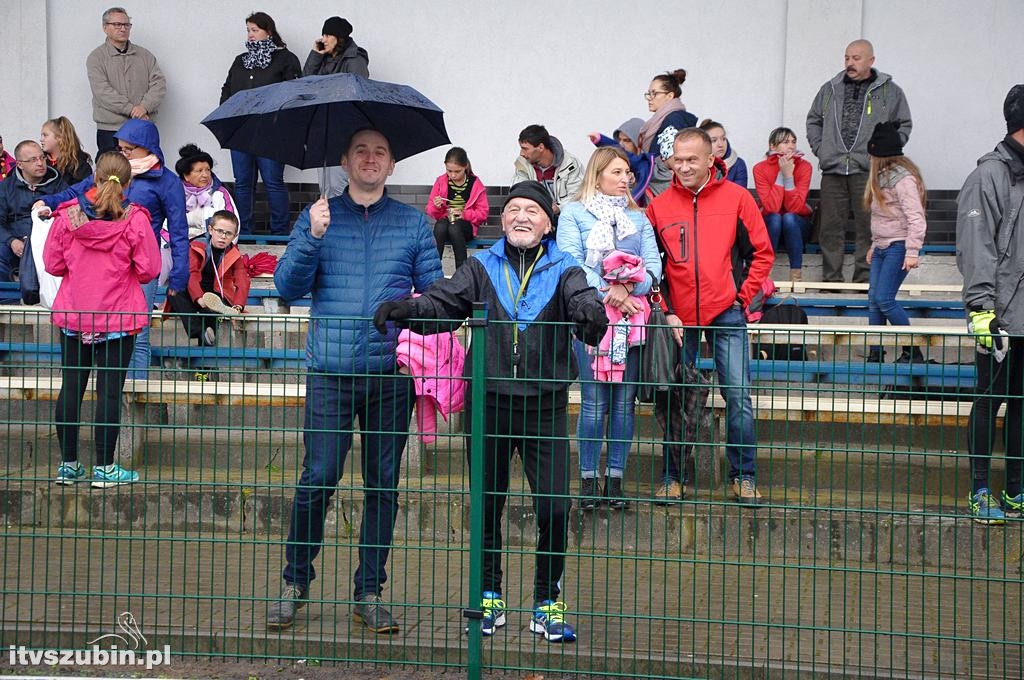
{"x":791,"y":229}
{"x":598,"y":400}
{"x":138,"y":367}
{"x":887,"y":276}
{"x":383,"y":404}
{"x":727,"y":335}
{"x":245,"y":166}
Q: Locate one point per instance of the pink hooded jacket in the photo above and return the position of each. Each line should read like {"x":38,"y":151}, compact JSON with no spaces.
{"x":620,"y":267}
{"x":435,"y":362}
{"x":102,"y":264}
{"x":476,"y":209}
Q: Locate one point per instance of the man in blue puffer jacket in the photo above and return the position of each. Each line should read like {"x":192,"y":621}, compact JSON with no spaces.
{"x":352,"y":253}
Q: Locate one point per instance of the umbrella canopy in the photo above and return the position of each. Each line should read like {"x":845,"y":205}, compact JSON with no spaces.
{"x":306,"y":122}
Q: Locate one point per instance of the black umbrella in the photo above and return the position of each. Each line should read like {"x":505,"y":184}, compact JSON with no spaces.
{"x":306,"y":122}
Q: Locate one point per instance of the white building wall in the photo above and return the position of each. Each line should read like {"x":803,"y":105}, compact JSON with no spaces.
{"x":574,"y":66}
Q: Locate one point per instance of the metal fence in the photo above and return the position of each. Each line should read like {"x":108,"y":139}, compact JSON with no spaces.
{"x":864,"y":560}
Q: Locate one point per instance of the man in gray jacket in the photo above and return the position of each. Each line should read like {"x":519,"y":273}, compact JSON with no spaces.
{"x":125,"y":79}
{"x":543,"y":159}
{"x":990,"y":255}
{"x":842,"y":117}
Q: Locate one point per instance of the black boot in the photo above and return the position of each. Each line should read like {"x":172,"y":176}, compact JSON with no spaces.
{"x":613,"y":493}
{"x":910,"y":355}
{"x":589,"y":494}
{"x":875,"y":356}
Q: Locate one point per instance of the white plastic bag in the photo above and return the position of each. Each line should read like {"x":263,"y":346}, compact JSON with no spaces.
{"x":166,"y":261}
{"x":48,"y":283}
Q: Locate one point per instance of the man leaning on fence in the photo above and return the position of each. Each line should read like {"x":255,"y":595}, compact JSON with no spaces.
{"x":990,"y":255}
{"x":708,"y":229}
{"x":533,"y":291}
{"x":352,"y":253}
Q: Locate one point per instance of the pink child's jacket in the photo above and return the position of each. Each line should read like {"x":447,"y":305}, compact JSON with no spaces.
{"x":620,"y":267}
{"x":435,"y":362}
{"x":102,"y":264}
{"x":476,"y":209}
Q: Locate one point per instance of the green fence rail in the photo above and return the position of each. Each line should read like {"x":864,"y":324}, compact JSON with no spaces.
{"x":864,"y":560}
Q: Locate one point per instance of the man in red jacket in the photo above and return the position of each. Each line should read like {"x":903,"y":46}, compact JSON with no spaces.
{"x":717,"y":254}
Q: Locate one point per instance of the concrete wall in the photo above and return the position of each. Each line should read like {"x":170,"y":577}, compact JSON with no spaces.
{"x":497,"y":67}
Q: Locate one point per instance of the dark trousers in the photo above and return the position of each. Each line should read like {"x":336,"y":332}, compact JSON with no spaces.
{"x":105,"y":141}
{"x":538,"y":428}
{"x":77,"y":359}
{"x":457,"y":233}
{"x":840,"y":196}
{"x":193,"y":319}
{"x":383,"y":404}
{"x":998,"y":382}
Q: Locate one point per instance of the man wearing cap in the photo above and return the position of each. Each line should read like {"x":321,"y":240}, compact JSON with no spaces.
{"x":533,"y":293}
{"x":351,"y":253}
{"x":335,"y":52}
{"x":842,"y":117}
{"x":990,"y":255}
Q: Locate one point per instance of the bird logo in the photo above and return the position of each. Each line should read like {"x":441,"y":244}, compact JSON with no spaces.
{"x":126,"y":622}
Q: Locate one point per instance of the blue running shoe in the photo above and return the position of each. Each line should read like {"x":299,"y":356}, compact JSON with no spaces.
{"x":494,"y":613}
{"x":984,"y":509}
{"x":69,"y":473}
{"x":1013,"y":505}
{"x":105,"y":476}
{"x":549,"y":620}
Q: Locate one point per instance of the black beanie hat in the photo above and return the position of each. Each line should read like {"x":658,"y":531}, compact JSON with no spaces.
{"x":536,"y":192}
{"x":1013,"y":109}
{"x":885,"y":141}
{"x":338,"y":27}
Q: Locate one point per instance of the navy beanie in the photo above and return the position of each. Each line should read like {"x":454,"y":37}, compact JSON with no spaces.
{"x":1013,"y":109}
{"x":885,"y":142}
{"x":536,"y":192}
{"x":338,"y":27}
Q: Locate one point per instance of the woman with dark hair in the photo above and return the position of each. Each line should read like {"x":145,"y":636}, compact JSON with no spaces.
{"x":266,"y":60}
{"x":736,"y":167}
{"x":204,"y":194}
{"x":103,"y":247}
{"x":670,"y":116}
{"x":64,"y":151}
{"x":458,"y":203}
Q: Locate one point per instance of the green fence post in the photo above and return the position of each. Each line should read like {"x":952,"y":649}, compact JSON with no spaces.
{"x":474,"y":613}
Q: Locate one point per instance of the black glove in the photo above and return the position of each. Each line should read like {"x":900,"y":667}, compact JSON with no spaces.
{"x":395,"y":310}
{"x":591,"y":324}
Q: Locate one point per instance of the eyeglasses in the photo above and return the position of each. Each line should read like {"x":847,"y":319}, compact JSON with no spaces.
{"x":223,"y":232}
{"x":34,"y":159}
{"x":119,"y":24}
{"x":125,"y":150}
{"x":651,"y":94}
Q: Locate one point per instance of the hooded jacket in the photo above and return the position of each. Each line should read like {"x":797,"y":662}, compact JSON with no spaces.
{"x":641,"y":164}
{"x":737,"y":166}
{"x":284,"y":65}
{"x":779,"y":198}
{"x":231,"y":271}
{"x":369,"y":255}
{"x":477,"y":208}
{"x":989,"y":237}
{"x":568,"y":173}
{"x":705,"y":238}
{"x":902,"y":218}
{"x":883,"y":102}
{"x":102,"y":264}
{"x":16,"y":199}
{"x":158,"y":190}
{"x":353,"y":59}
{"x":120,"y":80}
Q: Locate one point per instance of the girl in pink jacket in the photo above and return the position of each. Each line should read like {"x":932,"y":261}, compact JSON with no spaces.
{"x":458,"y":203}
{"x":895,"y":197}
{"x":104,"y":249}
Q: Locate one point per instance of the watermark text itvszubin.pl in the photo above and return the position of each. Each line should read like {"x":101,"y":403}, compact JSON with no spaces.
{"x":92,"y":656}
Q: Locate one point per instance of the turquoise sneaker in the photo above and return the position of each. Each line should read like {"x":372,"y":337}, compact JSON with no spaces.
{"x":494,"y":613}
{"x":549,"y":620}
{"x":69,"y":473}
{"x":1013,"y":505}
{"x":984,"y":509}
{"x":105,"y":476}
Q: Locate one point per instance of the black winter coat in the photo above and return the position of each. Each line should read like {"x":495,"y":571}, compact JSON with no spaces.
{"x":283,"y":66}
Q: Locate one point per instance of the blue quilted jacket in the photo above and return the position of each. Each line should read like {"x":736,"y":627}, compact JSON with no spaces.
{"x":369,"y":255}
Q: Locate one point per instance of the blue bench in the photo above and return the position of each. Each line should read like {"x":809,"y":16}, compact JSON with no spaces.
{"x":931,"y":309}
{"x":227,"y":357}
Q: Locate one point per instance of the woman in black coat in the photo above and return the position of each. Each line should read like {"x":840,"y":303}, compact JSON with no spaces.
{"x":266,"y":61}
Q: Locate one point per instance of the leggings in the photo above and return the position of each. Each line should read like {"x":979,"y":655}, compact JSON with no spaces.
{"x":77,"y":360}
{"x":456,"y":233}
{"x":998,"y":382}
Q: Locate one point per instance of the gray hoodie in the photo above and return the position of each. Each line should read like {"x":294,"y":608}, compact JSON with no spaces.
{"x":989,"y":249}
{"x":884,"y":102}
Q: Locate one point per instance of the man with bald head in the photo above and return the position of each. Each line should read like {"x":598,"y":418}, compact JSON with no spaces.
{"x":842,"y":117}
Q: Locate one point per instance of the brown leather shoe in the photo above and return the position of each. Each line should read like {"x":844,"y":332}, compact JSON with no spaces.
{"x":746,"y":491}
{"x":668,"y":493}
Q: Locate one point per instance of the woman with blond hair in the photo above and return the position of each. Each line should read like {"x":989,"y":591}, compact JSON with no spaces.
{"x":895,"y":196}
{"x":601,"y":224}
{"x":64,"y":151}
{"x":104,"y":249}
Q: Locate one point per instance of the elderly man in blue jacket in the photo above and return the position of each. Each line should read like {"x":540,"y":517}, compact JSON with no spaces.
{"x":352,"y":253}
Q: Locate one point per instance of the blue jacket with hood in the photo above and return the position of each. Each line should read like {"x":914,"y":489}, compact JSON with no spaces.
{"x":369,"y":255}
{"x":158,"y":190}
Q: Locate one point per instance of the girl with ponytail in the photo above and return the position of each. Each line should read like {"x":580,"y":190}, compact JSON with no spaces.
{"x":104,"y":248}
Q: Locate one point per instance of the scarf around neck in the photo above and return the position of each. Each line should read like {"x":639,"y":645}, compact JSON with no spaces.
{"x":197,"y":197}
{"x":613,"y":225}
{"x":653,"y":124}
{"x":258,"y":53}
{"x":144,"y":164}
